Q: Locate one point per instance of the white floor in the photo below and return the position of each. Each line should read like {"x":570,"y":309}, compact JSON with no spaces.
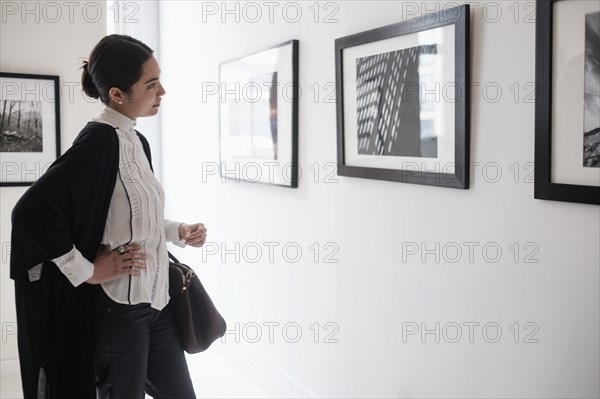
{"x":213,"y":375}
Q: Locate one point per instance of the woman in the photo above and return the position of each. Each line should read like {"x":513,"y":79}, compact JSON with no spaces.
{"x":89,"y":255}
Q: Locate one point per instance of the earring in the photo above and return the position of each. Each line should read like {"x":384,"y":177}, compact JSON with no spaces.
{"x":120,"y":102}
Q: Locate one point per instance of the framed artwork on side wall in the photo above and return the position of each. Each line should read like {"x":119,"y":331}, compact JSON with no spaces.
{"x":258,"y":118}
{"x":567,"y":113}
{"x":403,"y":98}
{"x":29,"y":126}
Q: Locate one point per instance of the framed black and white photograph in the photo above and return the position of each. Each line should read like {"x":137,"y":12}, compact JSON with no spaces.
{"x":29,"y":126}
{"x":567,"y":116}
{"x":259,"y":116}
{"x":403,"y":101}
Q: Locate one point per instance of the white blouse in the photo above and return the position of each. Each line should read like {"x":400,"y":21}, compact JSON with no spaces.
{"x":135,"y":216}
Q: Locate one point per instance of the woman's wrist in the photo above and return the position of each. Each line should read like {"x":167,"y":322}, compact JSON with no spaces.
{"x":179,"y":231}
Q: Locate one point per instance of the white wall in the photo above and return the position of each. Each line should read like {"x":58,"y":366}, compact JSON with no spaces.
{"x":50,"y":40}
{"x":371,"y":291}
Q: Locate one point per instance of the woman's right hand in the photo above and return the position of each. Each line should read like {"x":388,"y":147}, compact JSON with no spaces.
{"x":112,"y":265}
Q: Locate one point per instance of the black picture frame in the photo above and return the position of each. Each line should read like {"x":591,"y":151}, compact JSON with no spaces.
{"x":452,"y":172}
{"x":258,"y":139}
{"x":27,"y":151}
{"x":545,"y":188}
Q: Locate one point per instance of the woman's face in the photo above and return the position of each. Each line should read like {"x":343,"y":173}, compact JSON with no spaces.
{"x":146,"y":93}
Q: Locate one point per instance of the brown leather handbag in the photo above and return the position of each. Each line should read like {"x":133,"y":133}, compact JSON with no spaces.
{"x":198,"y":321}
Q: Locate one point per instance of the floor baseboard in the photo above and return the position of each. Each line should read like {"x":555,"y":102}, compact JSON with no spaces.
{"x":270,"y":377}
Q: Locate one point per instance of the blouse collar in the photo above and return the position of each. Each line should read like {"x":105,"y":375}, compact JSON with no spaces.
{"x":116,"y":119}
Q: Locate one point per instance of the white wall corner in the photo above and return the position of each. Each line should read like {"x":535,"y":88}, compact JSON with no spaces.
{"x":9,"y":367}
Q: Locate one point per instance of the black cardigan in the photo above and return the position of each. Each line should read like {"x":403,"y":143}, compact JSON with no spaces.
{"x":66,"y":206}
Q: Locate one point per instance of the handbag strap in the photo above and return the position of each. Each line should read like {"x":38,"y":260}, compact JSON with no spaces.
{"x":173,"y":258}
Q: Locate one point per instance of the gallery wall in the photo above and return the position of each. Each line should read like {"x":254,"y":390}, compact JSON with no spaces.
{"x":350,"y":287}
{"x":368,"y":272}
{"x":37,"y":38}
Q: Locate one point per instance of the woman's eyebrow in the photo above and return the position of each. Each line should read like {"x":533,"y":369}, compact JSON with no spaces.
{"x":151,"y":80}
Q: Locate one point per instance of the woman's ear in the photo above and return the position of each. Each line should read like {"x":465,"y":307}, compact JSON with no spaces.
{"x":116,"y":95}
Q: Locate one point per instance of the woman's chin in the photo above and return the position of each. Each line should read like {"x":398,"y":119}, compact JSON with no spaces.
{"x":152,"y":111}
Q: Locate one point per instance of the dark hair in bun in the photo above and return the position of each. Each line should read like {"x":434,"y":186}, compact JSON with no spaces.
{"x":116,"y":61}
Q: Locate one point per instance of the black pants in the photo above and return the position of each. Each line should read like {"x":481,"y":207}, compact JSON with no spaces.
{"x":138,"y":350}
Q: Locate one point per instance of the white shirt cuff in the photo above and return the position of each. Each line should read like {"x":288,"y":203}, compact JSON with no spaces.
{"x":172,"y":233}
{"x":75,"y":266}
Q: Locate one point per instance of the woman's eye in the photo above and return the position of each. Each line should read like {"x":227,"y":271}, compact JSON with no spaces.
{"x":151,"y":86}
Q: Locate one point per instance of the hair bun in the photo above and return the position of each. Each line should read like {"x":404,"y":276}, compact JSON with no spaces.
{"x":87,"y":83}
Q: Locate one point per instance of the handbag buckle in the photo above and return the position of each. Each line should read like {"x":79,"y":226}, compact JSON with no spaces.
{"x":187,"y":279}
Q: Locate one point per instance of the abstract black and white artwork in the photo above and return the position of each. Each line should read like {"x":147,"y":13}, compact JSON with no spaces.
{"x":403,"y":101}
{"x":389,"y":110}
{"x":591,"y":137}
{"x":253,"y":122}
{"x":29,"y":126}
{"x":259,"y":116}
{"x":263,"y":114}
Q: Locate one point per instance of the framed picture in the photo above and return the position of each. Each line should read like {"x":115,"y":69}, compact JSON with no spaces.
{"x":29,"y":126}
{"x":258,"y":118}
{"x":403,"y":101}
{"x":567,"y":113}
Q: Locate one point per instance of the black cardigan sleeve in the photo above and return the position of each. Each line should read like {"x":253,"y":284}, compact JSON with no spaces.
{"x":68,"y":205}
